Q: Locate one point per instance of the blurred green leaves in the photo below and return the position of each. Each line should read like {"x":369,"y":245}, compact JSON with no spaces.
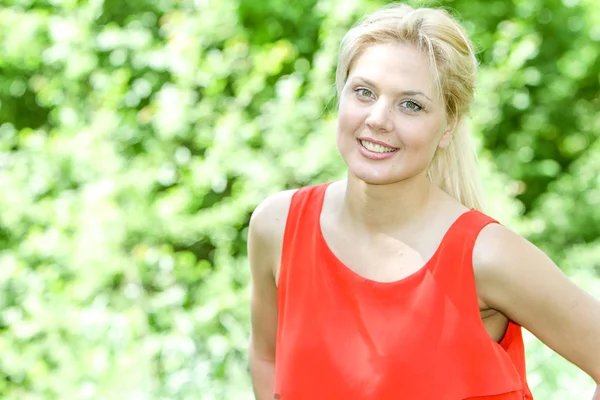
{"x":137,"y":137}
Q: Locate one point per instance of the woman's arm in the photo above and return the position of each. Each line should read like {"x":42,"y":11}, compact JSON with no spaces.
{"x":517,"y":279}
{"x":265,"y":237}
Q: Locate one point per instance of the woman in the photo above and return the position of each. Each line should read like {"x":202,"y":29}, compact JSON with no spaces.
{"x":391,"y":284}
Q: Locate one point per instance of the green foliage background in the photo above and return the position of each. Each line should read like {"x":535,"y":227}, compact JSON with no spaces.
{"x":136,"y":138}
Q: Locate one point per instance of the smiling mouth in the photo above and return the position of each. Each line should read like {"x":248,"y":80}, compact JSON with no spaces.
{"x":376,"y":148}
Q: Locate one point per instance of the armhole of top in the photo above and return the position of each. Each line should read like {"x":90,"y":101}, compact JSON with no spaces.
{"x":513,"y":330}
{"x":482,"y":221}
{"x":291,"y":220}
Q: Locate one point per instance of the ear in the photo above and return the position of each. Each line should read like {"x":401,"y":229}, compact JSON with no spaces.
{"x":448,"y":134}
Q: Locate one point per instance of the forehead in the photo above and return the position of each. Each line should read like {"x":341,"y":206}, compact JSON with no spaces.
{"x":397,"y":65}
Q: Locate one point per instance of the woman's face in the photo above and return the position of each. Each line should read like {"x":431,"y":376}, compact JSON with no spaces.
{"x":390,"y":120}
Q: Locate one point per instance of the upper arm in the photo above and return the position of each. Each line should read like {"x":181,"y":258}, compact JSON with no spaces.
{"x":520,"y":281}
{"x":265,"y":238}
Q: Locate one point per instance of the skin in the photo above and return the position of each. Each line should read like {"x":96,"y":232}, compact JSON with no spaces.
{"x":387,"y":213}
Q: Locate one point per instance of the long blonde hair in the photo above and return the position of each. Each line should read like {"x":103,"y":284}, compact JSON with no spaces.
{"x":454,"y":66}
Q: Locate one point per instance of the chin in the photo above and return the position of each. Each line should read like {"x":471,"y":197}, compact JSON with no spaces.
{"x":377,"y":181}
{"x":373,"y":177}
{"x":380,"y":175}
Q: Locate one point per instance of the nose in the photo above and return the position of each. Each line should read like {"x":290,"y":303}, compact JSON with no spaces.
{"x":380,"y":117}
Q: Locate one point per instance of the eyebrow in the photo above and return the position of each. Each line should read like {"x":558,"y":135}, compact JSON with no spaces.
{"x":404,"y":93}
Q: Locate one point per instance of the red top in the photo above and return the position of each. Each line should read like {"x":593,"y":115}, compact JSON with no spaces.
{"x":342,"y":336}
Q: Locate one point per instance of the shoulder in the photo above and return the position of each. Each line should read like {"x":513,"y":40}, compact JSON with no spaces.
{"x":505,"y":262}
{"x":496,"y":245}
{"x":269,"y":217}
{"x":266,"y":230}
{"x":520,"y":281}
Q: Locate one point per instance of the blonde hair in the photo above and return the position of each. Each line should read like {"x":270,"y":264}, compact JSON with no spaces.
{"x":454,"y":66}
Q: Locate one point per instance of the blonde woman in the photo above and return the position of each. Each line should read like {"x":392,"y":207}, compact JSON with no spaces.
{"x":391,"y":284}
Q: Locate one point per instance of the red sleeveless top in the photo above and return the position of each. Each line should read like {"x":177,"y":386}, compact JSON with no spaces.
{"x":342,"y":336}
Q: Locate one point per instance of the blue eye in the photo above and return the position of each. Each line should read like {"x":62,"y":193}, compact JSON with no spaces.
{"x":362,"y":92}
{"x":411,"y":106}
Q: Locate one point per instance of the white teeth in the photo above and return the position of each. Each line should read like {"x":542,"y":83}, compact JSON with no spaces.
{"x":376,"y":148}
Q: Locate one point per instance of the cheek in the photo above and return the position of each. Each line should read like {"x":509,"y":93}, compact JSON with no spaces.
{"x":347,"y":126}
{"x":349,"y":118}
{"x":424,"y":134}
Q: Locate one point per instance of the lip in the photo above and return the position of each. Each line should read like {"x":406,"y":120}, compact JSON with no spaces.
{"x":373,"y":155}
{"x":375,"y":141}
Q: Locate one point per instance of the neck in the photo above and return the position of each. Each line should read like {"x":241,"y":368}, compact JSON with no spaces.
{"x":385,"y":208}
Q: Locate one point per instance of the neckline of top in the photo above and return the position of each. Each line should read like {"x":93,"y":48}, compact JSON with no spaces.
{"x":371,"y":282}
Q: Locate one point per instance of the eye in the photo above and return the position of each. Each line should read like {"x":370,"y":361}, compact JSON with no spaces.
{"x":363,"y":92}
{"x":411,"y":106}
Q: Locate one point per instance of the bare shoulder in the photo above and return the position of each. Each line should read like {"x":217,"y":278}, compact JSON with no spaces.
{"x":269,"y":218}
{"x":265,"y":233}
{"x":498,"y":258}
{"x":505,"y":262}
{"x":520,"y":281}
{"x":500,"y":252}
{"x":495,"y":242}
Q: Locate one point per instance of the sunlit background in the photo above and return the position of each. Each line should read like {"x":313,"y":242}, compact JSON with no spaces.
{"x":136,"y":137}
